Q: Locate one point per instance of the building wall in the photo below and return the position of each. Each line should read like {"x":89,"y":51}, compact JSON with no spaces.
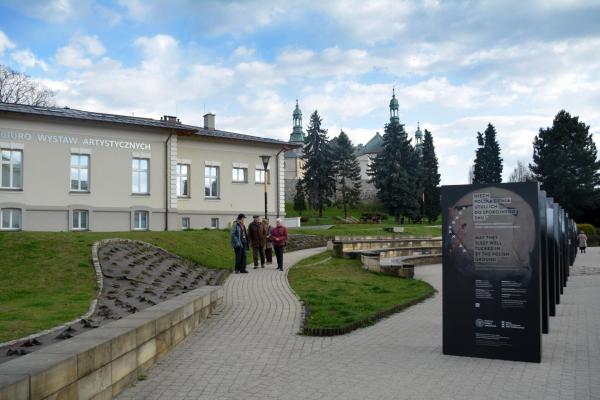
{"x":46,"y":199}
{"x":47,"y":203}
{"x":234,"y":197}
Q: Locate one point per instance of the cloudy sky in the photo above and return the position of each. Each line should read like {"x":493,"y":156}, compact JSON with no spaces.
{"x":456,"y":65}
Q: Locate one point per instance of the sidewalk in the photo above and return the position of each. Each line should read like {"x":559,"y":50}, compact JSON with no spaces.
{"x":251,"y":351}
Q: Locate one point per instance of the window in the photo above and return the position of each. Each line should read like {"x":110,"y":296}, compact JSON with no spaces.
{"x":10,"y":219}
{"x":80,"y":168}
{"x":140,"y":220}
{"x":12,"y":169}
{"x":140,"y":175}
{"x":259,"y":176}
{"x":211,"y":181}
{"x":80,"y":220}
{"x":183,"y":171}
{"x":185,"y":223}
{"x":214,"y":223}
{"x":239,"y":175}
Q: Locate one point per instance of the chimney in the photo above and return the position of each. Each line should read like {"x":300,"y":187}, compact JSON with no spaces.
{"x":170,"y":118}
{"x":209,"y":121}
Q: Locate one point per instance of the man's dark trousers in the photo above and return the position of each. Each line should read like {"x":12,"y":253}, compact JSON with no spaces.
{"x":256,"y":251}
{"x":240,"y":259}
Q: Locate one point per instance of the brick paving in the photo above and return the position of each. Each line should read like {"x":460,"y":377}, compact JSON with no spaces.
{"x":251,"y":350}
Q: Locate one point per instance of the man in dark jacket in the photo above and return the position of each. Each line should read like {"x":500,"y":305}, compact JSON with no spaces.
{"x":258,"y":239}
{"x":239,"y":242}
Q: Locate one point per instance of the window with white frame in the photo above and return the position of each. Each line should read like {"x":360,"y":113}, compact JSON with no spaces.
{"x":214,"y":223}
{"x":239,"y":175}
{"x":140,"y":220}
{"x":80,"y":220}
{"x":10,"y":219}
{"x":211,"y":181}
{"x":12,"y":169}
{"x":185,"y":223}
{"x":259,"y":176}
{"x":80,"y":172}
{"x":183,"y":173}
{"x":140,"y":168}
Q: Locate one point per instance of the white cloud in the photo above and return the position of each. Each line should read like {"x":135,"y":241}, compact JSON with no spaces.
{"x":5,"y":43}
{"x":80,"y":52}
{"x":244,"y":52}
{"x":26,"y":59}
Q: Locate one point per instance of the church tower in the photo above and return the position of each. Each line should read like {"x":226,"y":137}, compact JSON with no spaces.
{"x":297,"y":135}
{"x":419,"y":140}
{"x":394,"y":107}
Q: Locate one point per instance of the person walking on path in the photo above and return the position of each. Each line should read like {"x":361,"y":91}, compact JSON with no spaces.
{"x":582,"y":238}
{"x":269,"y":244}
{"x":239,"y":242}
{"x":279,"y":237}
{"x":258,"y":239}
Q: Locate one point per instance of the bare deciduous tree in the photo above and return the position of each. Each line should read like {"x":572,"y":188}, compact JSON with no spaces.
{"x":521,"y":174}
{"x":18,"y":88}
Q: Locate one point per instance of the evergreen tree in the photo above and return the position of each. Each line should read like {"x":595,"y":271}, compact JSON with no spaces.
{"x":348,"y":172}
{"x":492,"y":156}
{"x":299,"y":199}
{"x":565,"y":162}
{"x":488,"y":163}
{"x":431,"y":179}
{"x":479,"y":164}
{"x":394,"y":172}
{"x":319,"y":172}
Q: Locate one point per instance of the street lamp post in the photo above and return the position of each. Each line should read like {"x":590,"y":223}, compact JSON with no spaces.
{"x":265,"y":160}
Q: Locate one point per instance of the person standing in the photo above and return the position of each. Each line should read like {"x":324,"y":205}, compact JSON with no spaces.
{"x":582,"y":238}
{"x":269,"y":244}
{"x":279,"y":236}
{"x":258,"y":239}
{"x":239,"y":242}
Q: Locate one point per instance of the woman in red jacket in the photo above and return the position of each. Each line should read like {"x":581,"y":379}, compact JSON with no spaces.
{"x":279,"y":237}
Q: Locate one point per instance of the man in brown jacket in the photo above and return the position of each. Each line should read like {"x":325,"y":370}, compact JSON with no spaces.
{"x":257,"y":233}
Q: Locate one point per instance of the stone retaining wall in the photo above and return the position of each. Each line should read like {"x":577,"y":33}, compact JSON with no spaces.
{"x":301,"y":242}
{"x":100,"y":363}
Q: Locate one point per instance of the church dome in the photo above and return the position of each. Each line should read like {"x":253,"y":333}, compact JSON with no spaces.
{"x":297,"y":112}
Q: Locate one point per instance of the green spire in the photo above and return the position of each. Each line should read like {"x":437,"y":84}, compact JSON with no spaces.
{"x":297,"y":133}
{"x":394,"y":107}
{"x":419,"y":140}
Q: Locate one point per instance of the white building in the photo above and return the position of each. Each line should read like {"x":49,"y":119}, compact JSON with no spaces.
{"x":65,"y":169}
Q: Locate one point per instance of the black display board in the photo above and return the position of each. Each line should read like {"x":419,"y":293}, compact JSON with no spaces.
{"x":491,"y":271}
{"x":553,"y":292}
{"x":544,"y":263}
{"x":559,"y":268}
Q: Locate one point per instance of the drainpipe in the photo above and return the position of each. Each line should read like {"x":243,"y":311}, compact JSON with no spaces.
{"x":277,"y":183}
{"x":167,"y":182}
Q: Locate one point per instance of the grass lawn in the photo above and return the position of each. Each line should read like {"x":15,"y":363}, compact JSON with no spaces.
{"x":371,"y":230}
{"x":339,"y":292}
{"x":47,"y":278}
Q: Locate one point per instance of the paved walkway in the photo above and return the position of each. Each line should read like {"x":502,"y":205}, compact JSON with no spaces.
{"x":250,"y":350}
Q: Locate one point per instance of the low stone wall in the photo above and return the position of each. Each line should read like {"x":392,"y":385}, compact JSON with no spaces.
{"x":301,"y":242}
{"x":353,"y":247}
{"x":100,"y":363}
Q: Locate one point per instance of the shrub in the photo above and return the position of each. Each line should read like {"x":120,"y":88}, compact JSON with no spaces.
{"x":587,"y":228}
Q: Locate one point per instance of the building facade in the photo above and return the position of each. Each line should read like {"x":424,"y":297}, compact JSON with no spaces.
{"x":69,"y":170}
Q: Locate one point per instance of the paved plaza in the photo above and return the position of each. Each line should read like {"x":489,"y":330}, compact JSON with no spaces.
{"x":251,"y":350}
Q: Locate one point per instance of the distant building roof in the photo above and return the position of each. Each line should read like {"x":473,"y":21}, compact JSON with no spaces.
{"x":373,"y":146}
{"x":81,"y":115}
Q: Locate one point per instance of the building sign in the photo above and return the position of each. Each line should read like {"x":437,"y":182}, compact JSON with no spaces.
{"x":74,"y":140}
{"x":491,"y":271}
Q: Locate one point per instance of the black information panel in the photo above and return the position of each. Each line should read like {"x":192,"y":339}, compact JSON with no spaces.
{"x":491,"y":271}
